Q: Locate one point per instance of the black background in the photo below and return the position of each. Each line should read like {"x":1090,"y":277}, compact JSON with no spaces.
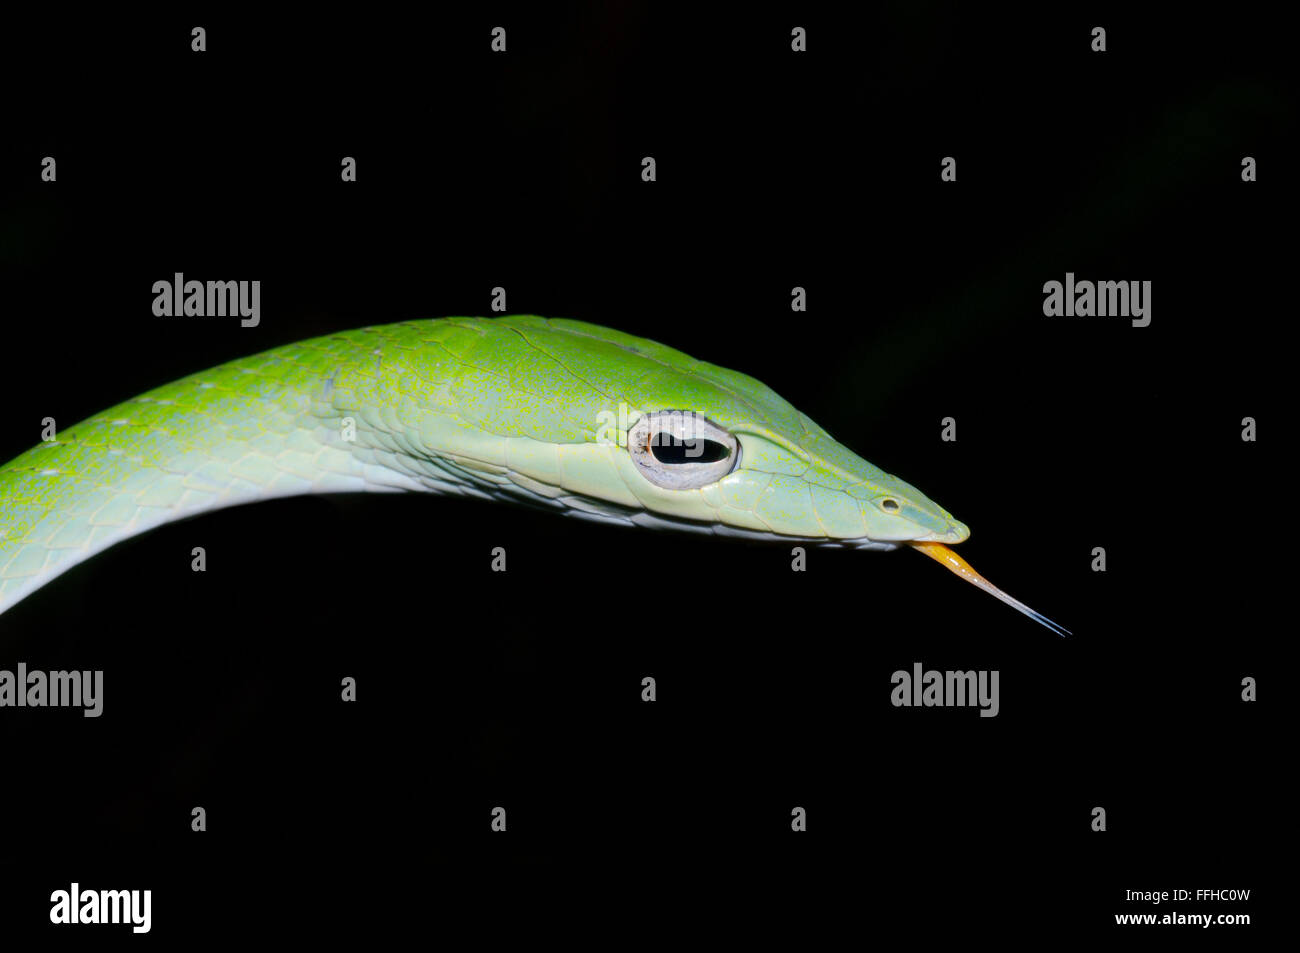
{"x":522,"y":689}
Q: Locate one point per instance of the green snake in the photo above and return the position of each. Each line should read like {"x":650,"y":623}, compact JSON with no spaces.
{"x":589,"y":421}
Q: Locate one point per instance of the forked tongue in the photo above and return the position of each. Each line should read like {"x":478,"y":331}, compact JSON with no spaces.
{"x":945,"y":556}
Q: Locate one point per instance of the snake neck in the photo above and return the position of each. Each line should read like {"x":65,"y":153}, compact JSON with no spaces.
{"x":258,"y":428}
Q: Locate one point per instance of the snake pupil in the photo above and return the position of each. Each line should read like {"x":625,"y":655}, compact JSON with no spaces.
{"x":670,"y":449}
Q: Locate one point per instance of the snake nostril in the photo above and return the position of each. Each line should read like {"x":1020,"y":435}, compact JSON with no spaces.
{"x":890,"y":506}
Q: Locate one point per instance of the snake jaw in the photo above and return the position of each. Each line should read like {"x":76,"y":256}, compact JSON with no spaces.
{"x":947,"y":558}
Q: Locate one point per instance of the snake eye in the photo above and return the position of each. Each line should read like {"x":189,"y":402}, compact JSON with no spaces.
{"x":681,"y":450}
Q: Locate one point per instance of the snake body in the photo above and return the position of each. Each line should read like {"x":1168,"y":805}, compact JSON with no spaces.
{"x":554,"y":412}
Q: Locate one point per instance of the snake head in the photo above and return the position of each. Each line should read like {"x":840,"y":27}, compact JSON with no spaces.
{"x":764,"y":480}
